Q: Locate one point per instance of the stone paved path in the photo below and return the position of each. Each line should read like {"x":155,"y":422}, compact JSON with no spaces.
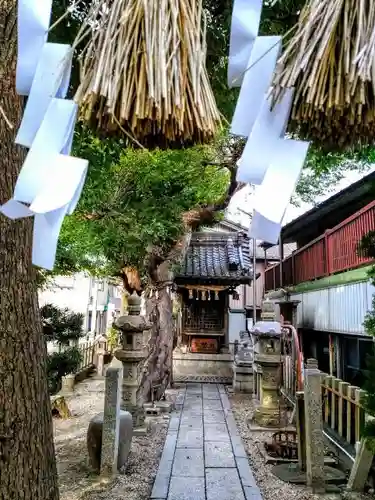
{"x":203,"y":456}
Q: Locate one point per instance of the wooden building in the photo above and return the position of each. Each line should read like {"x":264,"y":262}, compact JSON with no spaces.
{"x":216,"y":263}
{"x":328,"y":278}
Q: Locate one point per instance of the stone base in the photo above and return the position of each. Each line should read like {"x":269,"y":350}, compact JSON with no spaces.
{"x":94,"y":440}
{"x":137,"y":413}
{"x":164,"y":406}
{"x":199,"y":364}
{"x":67,"y":384}
{"x":151,"y":410}
{"x":267,"y":417}
{"x":291,"y":473}
{"x":140,"y":431}
{"x":243,"y":378}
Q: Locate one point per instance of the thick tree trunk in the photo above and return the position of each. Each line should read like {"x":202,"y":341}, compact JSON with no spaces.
{"x":158,"y":373}
{"x":27,"y":459}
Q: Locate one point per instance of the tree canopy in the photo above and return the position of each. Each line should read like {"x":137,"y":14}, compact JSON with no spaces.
{"x":134,"y":199}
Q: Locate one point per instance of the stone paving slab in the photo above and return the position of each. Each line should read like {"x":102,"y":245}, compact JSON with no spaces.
{"x":187,"y":488}
{"x":204,"y":457}
{"x":188,"y":463}
{"x":218,"y":454}
{"x":223,"y":484}
{"x":192,"y":420}
{"x":190,"y":438}
{"x":216,"y":432}
{"x":213,"y":417}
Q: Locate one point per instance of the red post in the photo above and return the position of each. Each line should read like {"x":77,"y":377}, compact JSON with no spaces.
{"x":327,"y":253}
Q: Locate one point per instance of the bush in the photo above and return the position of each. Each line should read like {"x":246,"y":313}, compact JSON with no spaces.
{"x":61,"y":326}
{"x":60,"y":364}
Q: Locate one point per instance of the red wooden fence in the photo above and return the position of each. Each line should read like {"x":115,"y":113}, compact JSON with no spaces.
{"x":333,"y":252}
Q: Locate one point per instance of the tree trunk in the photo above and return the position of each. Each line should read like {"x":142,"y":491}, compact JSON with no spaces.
{"x":27,"y":459}
{"x":158,"y":373}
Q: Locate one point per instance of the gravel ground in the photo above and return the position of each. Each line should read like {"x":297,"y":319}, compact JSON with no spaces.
{"x":77,"y":482}
{"x":271,"y":487}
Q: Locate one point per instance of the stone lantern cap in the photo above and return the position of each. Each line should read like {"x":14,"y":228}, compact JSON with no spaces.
{"x":132,"y":324}
{"x":266,"y":329}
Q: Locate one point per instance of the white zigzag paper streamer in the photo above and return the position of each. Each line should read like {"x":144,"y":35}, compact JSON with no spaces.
{"x":244,"y":30}
{"x":273,"y":196}
{"x":256,"y":82}
{"x":50,"y":181}
{"x":50,"y":80}
{"x":262,"y":145}
{"x":33,"y":23}
{"x":268,"y":159}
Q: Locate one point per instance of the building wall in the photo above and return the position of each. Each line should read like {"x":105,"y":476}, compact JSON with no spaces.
{"x":339,"y":309}
{"x":86,"y":295}
{"x":245,"y":292}
{"x":68,"y":291}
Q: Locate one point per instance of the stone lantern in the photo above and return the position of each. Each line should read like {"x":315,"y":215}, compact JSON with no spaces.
{"x":132,"y":355}
{"x":267,"y":367}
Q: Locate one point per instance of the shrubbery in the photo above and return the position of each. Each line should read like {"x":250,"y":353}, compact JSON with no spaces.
{"x":61,"y":326}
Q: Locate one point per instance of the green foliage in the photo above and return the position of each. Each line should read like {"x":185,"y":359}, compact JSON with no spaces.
{"x":61,"y":325}
{"x":60,"y":364}
{"x":134,"y":200}
{"x":366,"y":248}
{"x":323,"y":171}
{"x":113,"y":338}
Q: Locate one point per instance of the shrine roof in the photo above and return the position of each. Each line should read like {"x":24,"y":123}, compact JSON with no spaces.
{"x":220,"y":257}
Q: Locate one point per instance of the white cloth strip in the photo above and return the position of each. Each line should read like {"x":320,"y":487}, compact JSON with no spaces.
{"x":51,"y":139}
{"x":261,"y":148}
{"x":33,"y":23}
{"x":61,"y":185}
{"x":15,"y":210}
{"x":256,"y":83}
{"x":51,"y":76}
{"x":244,"y":29}
{"x":47,"y":228}
{"x":60,"y":192}
{"x":273,"y":196}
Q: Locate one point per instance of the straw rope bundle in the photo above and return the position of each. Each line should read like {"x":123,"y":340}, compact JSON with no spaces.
{"x":330,"y":61}
{"x":143,"y":72}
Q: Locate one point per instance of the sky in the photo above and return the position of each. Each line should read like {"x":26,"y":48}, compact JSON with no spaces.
{"x":243,"y":201}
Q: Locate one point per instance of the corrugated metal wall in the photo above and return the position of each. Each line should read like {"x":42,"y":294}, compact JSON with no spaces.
{"x":340,"y":309}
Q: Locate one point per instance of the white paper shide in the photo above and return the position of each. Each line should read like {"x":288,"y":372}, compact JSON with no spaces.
{"x":270,"y":161}
{"x":50,"y":182}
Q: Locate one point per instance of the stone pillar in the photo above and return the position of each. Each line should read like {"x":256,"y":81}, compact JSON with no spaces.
{"x":243,"y":379}
{"x":111,"y":420}
{"x":132,"y":356}
{"x":361,"y":467}
{"x":67,"y":384}
{"x":100,"y":354}
{"x":288,"y":309}
{"x":267,"y":365}
{"x":314,"y":427}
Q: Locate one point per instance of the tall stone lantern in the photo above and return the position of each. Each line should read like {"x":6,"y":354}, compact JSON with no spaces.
{"x":267,"y":367}
{"x":132,"y":355}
